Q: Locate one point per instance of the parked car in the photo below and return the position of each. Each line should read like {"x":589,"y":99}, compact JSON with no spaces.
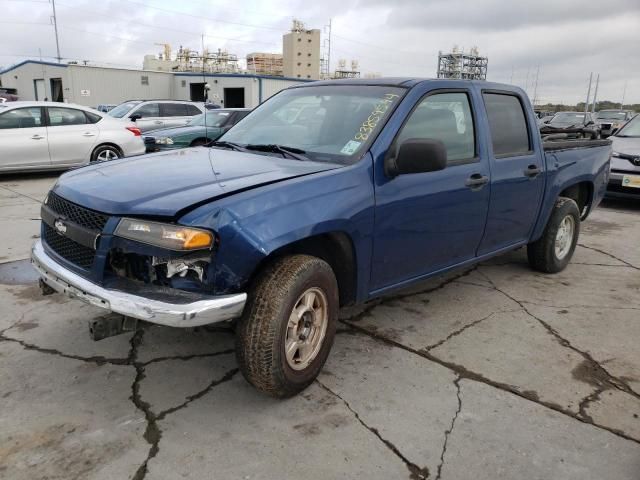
{"x":201,"y":130}
{"x":51,"y":135}
{"x":573,"y":124}
{"x":611,"y":120}
{"x":386,"y":182}
{"x":105,"y":107}
{"x":154,"y":114}
{"x":7,"y":95}
{"x":624,"y":180}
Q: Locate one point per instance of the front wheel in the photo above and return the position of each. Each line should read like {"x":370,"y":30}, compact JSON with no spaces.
{"x":553,"y":250}
{"x":288,"y":325}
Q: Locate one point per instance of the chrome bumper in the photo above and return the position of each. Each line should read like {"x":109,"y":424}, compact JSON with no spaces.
{"x":201,"y":312}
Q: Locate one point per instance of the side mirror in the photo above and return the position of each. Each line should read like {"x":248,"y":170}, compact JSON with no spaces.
{"x":546,"y":121}
{"x":416,"y":155}
{"x":590,"y":122}
{"x":135,"y":117}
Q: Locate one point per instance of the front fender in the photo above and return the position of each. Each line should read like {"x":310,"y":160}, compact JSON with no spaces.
{"x":253,"y":224}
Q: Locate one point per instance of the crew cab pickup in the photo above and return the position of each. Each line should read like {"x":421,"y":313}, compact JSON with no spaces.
{"x":328,"y":194}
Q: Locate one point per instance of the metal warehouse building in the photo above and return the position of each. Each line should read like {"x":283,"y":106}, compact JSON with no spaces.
{"x":92,"y":85}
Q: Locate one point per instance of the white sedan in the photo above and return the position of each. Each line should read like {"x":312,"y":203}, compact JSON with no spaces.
{"x":55,"y":136}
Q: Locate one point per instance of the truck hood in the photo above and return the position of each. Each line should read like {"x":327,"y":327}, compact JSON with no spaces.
{"x":167,"y":183}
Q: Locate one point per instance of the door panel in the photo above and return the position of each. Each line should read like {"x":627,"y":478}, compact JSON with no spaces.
{"x":23,"y":139}
{"x":517,"y":180}
{"x":429,"y":221}
{"x":71,"y":138}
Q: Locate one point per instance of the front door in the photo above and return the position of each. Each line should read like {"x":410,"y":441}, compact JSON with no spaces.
{"x":517,"y":179}
{"x":425,"y":222}
{"x":23,"y":138}
{"x":71,"y":136}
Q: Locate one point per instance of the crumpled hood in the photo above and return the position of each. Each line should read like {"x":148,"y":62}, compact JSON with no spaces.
{"x":166,"y":183}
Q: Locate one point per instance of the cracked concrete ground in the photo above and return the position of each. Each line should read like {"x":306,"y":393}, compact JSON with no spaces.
{"x":493,"y":372}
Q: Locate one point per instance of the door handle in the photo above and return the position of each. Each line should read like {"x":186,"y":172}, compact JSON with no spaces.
{"x":532,"y":171}
{"x":476,"y":181}
{"x":88,"y":134}
{"x":158,"y":122}
{"x":37,"y":137}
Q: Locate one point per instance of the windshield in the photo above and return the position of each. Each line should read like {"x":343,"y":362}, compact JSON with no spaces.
{"x":329,"y":123}
{"x":568,"y":117}
{"x":214,"y":119}
{"x":631,"y":129}
{"x":122,"y":109}
{"x":611,"y":115}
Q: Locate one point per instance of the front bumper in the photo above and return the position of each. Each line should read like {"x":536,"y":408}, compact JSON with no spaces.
{"x":615,"y":188}
{"x":208,"y":309}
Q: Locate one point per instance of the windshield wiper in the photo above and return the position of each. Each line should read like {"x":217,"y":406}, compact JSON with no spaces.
{"x":231,"y":145}
{"x":291,"y":152}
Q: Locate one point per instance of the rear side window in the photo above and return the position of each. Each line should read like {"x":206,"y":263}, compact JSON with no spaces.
{"x":446,"y":117}
{"x":508,"y":125}
{"x":21,"y":118}
{"x":59,"y":117}
{"x":174,"y":110}
{"x":192,"y":110}
{"x":92,"y":117}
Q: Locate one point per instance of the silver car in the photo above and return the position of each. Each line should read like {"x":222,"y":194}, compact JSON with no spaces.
{"x":51,"y":135}
{"x":154,"y":114}
{"x":624,"y":180}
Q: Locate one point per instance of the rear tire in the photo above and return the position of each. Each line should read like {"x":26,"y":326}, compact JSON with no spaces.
{"x":288,"y":325}
{"x":553,"y":250}
{"x":105,"y":153}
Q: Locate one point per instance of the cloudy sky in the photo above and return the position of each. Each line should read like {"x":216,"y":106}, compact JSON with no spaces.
{"x":564,"y":40}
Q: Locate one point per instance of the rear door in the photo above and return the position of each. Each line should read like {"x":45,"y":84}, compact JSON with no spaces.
{"x":517,"y":179}
{"x":425,"y":222}
{"x":71,"y":136}
{"x":23,"y":138}
{"x":175,"y":114}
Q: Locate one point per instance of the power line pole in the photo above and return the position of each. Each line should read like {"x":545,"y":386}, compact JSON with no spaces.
{"x":586,"y":103}
{"x":55,"y":27}
{"x":595,"y":95}
{"x":624,"y":92}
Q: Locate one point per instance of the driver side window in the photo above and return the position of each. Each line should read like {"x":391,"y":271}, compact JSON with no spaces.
{"x":446,"y":117}
{"x":148,"y":110}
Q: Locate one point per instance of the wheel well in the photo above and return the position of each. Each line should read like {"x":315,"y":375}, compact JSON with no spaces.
{"x":335,"y":248}
{"x":582,"y":194}
{"x":107,"y":144}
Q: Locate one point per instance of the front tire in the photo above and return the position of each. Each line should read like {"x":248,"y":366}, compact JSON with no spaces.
{"x":288,"y":325}
{"x":552,"y":252}
{"x":104,"y":153}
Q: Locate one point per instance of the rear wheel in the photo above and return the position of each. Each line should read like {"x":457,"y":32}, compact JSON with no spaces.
{"x":288,"y":325}
{"x":105,"y":152}
{"x":553,"y":250}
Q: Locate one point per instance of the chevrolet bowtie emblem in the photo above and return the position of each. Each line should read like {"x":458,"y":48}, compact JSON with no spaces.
{"x":61,"y":228}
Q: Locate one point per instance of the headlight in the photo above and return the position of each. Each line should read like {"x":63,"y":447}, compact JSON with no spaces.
{"x":164,"y":141}
{"x":164,"y":235}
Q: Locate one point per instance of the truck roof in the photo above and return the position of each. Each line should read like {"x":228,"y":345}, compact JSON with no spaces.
{"x":405,"y":82}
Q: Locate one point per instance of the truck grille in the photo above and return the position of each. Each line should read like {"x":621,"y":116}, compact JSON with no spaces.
{"x":68,"y":249}
{"x":82,"y":216}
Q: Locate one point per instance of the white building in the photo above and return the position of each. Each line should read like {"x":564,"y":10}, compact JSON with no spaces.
{"x":93,"y":85}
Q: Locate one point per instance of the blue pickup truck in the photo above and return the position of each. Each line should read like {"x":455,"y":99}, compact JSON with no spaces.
{"x":328,"y":194}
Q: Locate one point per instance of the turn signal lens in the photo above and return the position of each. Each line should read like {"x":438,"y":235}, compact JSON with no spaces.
{"x":172,"y":237}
